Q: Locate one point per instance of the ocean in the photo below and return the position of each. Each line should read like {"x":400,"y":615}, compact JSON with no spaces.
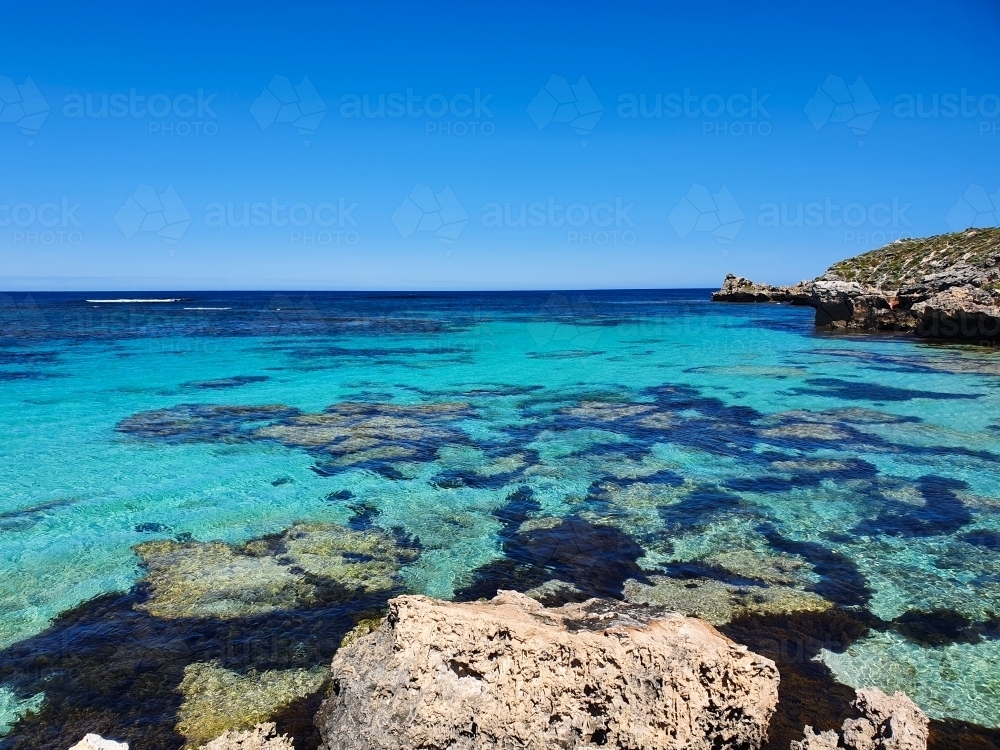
{"x":199,"y":481}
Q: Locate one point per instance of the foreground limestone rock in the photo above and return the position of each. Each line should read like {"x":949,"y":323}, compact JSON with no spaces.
{"x":261,"y":737}
{"x":886,"y":723}
{"x":510,"y":673}
{"x":96,"y":742}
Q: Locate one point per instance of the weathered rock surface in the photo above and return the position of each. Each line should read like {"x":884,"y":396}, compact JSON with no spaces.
{"x":818,"y":740}
{"x":959,"y":312}
{"x":886,"y":723}
{"x":261,"y":737}
{"x":509,"y":673}
{"x":96,"y":742}
{"x":739,"y":289}
{"x":947,"y":286}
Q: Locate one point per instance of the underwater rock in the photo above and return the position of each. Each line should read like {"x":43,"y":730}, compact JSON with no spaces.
{"x":201,"y":422}
{"x":214,"y":579}
{"x":594,"y":559}
{"x":718,"y":602}
{"x":222,"y":383}
{"x":345,"y":435}
{"x":376,"y":435}
{"x":807,"y":430}
{"x":510,"y":673}
{"x":217,"y":700}
{"x":605,"y":411}
{"x":96,"y":742}
{"x":774,"y":569}
{"x":261,"y":737}
{"x":886,"y":723}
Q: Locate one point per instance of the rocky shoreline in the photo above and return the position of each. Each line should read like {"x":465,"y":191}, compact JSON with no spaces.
{"x":511,"y":673}
{"x":942,"y":287}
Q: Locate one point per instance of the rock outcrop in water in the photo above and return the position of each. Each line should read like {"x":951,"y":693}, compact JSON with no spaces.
{"x":886,"y":723}
{"x":947,"y":286}
{"x":739,"y":289}
{"x":510,"y":673}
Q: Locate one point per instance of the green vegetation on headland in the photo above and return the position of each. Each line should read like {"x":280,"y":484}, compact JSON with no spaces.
{"x":908,"y":261}
{"x":946,"y":286}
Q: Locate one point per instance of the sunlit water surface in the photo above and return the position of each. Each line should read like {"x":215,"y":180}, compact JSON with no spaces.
{"x":694,"y":431}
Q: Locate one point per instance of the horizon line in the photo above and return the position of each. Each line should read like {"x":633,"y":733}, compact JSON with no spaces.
{"x":277,"y":290}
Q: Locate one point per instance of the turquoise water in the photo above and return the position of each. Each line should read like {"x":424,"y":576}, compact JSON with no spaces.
{"x":869,"y":465}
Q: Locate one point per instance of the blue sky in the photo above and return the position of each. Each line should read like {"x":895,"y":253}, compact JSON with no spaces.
{"x":558,"y":145}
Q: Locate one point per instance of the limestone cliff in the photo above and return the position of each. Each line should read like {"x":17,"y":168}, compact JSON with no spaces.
{"x":947,"y":286}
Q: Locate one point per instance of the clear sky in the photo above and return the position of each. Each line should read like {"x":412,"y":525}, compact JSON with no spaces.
{"x":485,"y":146}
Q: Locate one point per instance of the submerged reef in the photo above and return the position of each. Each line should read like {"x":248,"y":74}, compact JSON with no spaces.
{"x":799,"y":533}
{"x":344,"y":436}
{"x":217,"y":637}
{"x":307,"y":564}
{"x":217,"y":700}
{"x":237,"y":381}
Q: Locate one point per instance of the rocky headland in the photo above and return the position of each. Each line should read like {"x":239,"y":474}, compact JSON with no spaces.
{"x":945,"y":287}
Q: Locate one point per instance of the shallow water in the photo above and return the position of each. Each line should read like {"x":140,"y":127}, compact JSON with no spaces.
{"x":612,"y":441}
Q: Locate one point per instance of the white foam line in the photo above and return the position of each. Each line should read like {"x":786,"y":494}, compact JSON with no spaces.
{"x":125,"y":301}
